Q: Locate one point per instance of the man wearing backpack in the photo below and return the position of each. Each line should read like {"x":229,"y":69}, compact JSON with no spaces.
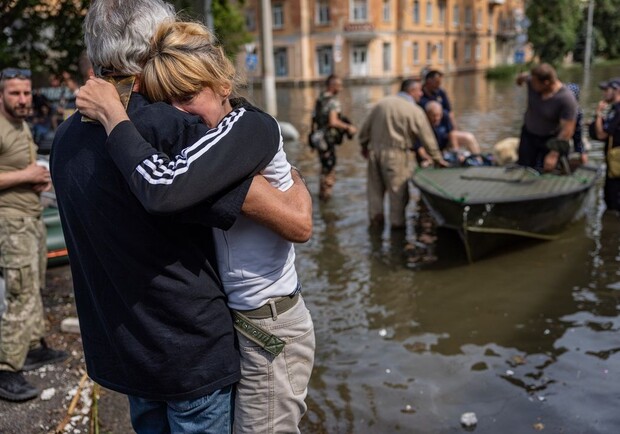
{"x":328,"y":120}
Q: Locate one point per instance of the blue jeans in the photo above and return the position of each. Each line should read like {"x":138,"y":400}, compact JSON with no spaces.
{"x":210,"y":414}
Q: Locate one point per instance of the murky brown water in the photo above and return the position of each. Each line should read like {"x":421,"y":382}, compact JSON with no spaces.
{"x":526,"y":339}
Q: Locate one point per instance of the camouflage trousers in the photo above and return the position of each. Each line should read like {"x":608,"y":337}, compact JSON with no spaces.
{"x":23,"y":260}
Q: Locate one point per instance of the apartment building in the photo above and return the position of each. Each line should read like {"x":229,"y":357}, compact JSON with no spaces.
{"x":379,"y":40}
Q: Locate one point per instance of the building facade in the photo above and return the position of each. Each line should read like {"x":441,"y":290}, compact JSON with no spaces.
{"x":380,"y":40}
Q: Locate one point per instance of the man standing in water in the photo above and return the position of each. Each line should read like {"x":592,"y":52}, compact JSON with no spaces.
{"x":387,"y":137}
{"x":551,"y":114}
{"x":328,"y":118}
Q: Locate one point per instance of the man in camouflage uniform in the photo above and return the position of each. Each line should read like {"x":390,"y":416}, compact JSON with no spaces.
{"x":329,"y":119}
{"x":22,"y":241}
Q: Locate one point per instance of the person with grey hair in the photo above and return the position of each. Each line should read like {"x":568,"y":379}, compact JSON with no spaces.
{"x":153,"y":316}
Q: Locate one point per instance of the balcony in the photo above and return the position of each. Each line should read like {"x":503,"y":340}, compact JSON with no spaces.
{"x":496,"y":2}
{"x":359,"y":32}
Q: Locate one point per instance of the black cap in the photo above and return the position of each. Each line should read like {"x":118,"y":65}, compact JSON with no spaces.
{"x":614,"y":83}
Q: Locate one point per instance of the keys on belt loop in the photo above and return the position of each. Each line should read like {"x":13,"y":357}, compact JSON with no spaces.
{"x":274,"y":311}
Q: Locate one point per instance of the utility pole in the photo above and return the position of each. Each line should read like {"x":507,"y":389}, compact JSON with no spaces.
{"x":588,"y":51}
{"x":269,"y":80}
{"x":208,"y":13}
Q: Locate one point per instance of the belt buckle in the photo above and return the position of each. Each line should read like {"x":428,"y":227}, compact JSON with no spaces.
{"x":273,"y":307}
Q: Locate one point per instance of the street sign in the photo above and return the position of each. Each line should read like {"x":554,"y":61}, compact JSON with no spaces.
{"x":519,"y":56}
{"x":251,"y":62}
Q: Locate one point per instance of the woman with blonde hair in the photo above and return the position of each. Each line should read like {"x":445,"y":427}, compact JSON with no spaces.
{"x":188,"y":69}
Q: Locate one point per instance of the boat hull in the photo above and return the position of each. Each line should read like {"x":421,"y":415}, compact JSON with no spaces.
{"x":489,"y":212}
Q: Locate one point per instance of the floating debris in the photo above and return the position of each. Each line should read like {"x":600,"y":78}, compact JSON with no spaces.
{"x":510,"y":373}
{"x":383,"y":333}
{"x":469,"y":419}
{"x":408,"y":409}
{"x":539,"y":426}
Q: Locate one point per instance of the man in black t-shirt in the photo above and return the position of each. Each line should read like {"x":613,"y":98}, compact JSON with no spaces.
{"x":551,"y":114}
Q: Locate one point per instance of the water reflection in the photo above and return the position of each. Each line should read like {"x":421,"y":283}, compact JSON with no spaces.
{"x":526,"y":337}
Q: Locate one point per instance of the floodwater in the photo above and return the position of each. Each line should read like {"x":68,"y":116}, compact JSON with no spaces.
{"x":526,"y":339}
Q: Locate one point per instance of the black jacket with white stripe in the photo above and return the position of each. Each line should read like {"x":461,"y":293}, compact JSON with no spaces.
{"x":153,"y":317}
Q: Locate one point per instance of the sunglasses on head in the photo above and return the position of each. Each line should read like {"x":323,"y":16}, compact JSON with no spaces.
{"x":9,"y":73}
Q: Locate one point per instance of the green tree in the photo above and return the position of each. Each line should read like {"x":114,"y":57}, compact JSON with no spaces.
{"x":42,"y":35}
{"x":554,"y":27}
{"x":46,"y":36}
{"x":607,"y":25}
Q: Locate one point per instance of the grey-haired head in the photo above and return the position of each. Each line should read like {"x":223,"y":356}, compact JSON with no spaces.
{"x":117,"y":33}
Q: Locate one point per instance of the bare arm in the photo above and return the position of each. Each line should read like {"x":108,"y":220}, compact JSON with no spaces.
{"x":598,"y":121}
{"x":522,"y":78}
{"x":37,"y":176}
{"x":335,"y":122}
{"x":287,"y":213}
{"x":567,"y":129}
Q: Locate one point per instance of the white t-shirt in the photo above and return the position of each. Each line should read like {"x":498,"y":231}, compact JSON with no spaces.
{"x":255,"y":263}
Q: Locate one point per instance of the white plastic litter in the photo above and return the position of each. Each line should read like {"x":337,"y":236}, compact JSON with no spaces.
{"x":469,"y":419}
{"x":48,"y":394}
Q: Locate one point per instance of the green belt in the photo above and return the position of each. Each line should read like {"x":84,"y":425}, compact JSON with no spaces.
{"x":270,"y":343}
{"x":273,"y":307}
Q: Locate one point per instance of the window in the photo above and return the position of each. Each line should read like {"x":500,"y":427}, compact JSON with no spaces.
{"x":360,"y":10}
{"x":442,"y":12}
{"x":281,"y":61}
{"x":325,"y":58}
{"x":455,"y":16}
{"x":416,"y":12}
{"x":387,"y":11}
{"x":278,"y":15}
{"x":467,"y":51}
{"x":429,"y":52}
{"x":489,"y":50}
{"x":416,"y":53}
{"x":478,"y":51}
{"x":440,"y":52}
{"x":387,"y":57}
{"x":322,"y":12}
{"x":429,"y":12}
{"x":250,"y":20}
{"x":455,"y":51}
{"x":468,"y":17}
{"x":479,"y":19}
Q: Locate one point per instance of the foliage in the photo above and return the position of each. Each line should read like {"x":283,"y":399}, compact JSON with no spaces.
{"x":42,"y":35}
{"x":229,"y":23}
{"x":607,"y":25}
{"x":554,"y":27}
{"x":46,"y":35}
{"x":504,"y":71}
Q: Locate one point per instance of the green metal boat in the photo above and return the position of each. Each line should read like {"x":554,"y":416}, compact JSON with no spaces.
{"x":491,"y":206}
